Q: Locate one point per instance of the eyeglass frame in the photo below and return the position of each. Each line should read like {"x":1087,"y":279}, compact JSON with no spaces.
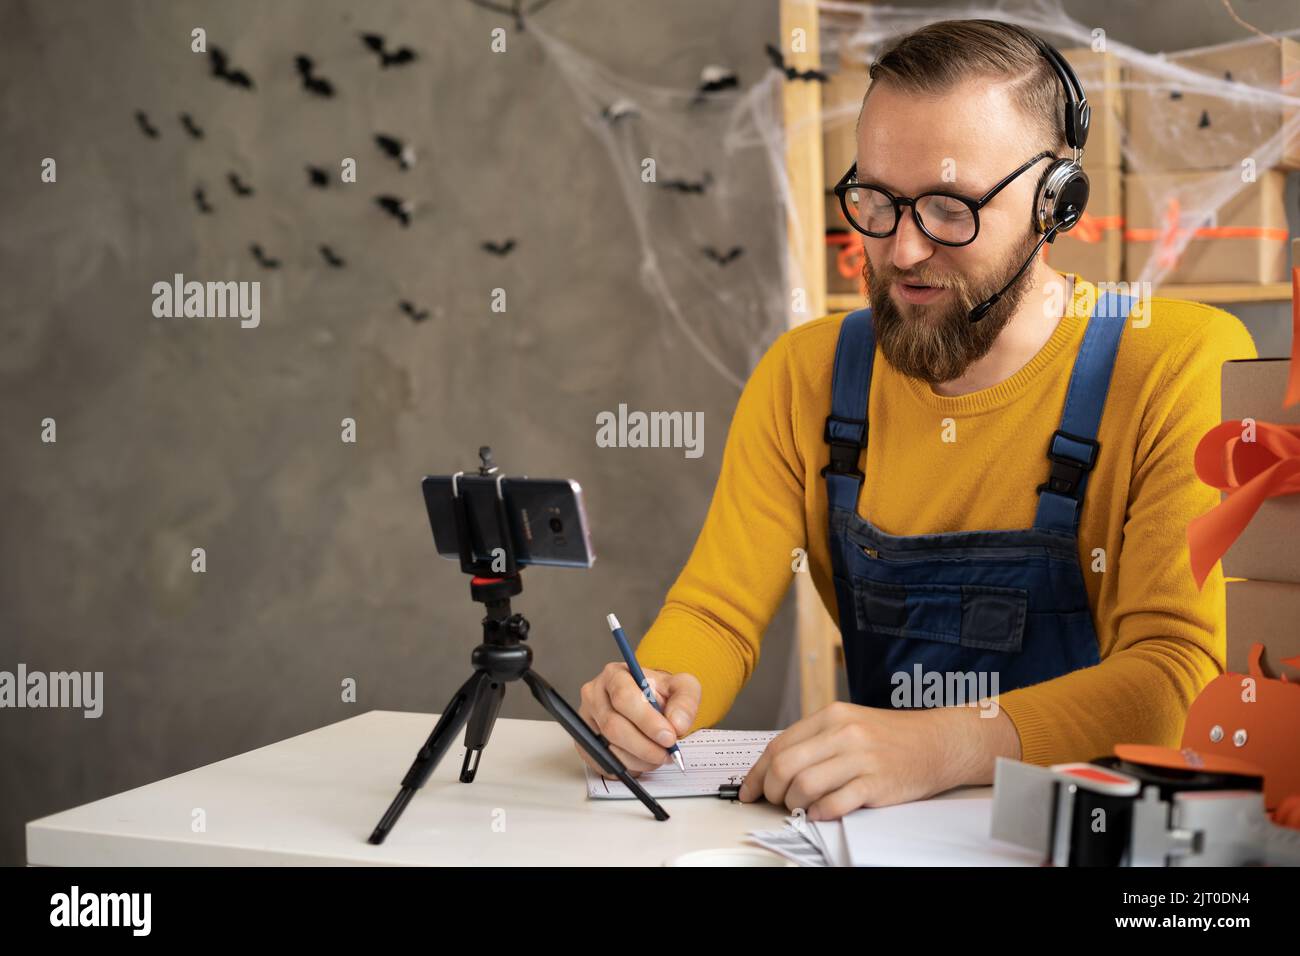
{"x":974,"y":205}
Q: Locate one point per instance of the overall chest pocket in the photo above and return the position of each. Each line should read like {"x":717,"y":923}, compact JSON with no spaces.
{"x":968,"y":615}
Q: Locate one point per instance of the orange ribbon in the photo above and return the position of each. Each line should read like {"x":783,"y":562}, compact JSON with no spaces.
{"x":1250,"y":472}
{"x":1167,"y":236}
{"x":849,"y":259}
{"x":852,"y":253}
{"x":1091,"y":228}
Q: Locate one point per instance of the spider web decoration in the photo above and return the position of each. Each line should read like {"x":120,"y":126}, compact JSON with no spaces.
{"x":706,"y":246}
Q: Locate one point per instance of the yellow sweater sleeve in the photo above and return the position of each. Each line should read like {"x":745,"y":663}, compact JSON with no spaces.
{"x":1162,"y":640}
{"x":713,"y":618}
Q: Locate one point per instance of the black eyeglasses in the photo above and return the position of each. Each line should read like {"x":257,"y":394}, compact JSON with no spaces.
{"x":947,"y":218}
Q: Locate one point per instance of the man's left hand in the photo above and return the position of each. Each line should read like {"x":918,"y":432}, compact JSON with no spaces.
{"x":846,"y":756}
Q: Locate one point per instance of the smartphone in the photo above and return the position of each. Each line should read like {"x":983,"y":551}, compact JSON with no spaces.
{"x":546,"y":518}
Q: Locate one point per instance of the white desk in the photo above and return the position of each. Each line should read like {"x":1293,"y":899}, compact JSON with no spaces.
{"x":314,"y":799}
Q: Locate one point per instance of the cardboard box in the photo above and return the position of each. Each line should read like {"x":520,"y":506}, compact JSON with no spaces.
{"x":1170,"y":129}
{"x":842,"y":97}
{"x":1095,"y":247}
{"x":844,"y":253}
{"x":1153,"y":200}
{"x":841,"y":101}
{"x":1269,"y":546}
{"x":1267,"y":612}
{"x":1101,"y":76}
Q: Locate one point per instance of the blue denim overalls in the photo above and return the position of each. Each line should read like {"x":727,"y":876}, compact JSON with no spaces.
{"x":1010,"y":605}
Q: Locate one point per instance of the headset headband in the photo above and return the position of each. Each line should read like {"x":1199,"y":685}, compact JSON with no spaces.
{"x":1077,"y":111}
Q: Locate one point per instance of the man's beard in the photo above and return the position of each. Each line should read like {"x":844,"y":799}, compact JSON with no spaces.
{"x":936,"y":342}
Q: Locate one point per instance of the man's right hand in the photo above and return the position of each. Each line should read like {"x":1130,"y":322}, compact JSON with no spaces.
{"x":613,"y":706}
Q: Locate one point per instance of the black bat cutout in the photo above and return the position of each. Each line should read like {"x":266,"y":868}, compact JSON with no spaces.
{"x":726,"y":81}
{"x":499,"y":248}
{"x":396,"y":207}
{"x":310,"y":81}
{"x":398,"y":57}
{"x":318,"y":86}
{"x":190,"y":126}
{"x":240,"y":187}
{"x":686,"y":186}
{"x":778,"y":60}
{"x":262,"y":259}
{"x":417,"y":315}
{"x":220,"y":64}
{"x":725,"y":258}
{"x":395,"y":148}
{"x":201,"y":200}
{"x":318,"y":177}
{"x":332,"y":258}
{"x":142,"y":120}
{"x":1175,"y":94}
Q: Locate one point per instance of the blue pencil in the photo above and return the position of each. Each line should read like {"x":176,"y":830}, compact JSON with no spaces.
{"x":639,"y":676}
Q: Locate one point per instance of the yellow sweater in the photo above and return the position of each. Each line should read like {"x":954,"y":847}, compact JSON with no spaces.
{"x":1161,"y":639}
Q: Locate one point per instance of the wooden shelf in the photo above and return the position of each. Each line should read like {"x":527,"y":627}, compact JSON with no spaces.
{"x":1229,"y":292}
{"x":1224,"y":292}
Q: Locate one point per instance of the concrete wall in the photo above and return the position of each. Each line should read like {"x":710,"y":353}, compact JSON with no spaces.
{"x":177,"y":434}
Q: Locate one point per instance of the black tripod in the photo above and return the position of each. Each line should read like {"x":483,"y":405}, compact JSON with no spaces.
{"x":500,"y":659}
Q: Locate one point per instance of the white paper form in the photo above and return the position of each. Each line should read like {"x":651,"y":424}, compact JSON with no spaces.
{"x":712,"y":758}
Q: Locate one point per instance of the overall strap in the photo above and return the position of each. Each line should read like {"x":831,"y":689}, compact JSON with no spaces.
{"x":1073,"y":447}
{"x":846,"y":426}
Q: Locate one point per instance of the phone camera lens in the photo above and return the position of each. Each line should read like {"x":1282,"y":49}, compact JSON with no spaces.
{"x":557,"y":525}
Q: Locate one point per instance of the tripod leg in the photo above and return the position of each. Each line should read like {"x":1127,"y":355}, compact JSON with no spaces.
{"x":449,"y":724}
{"x":483,"y":715}
{"x":596,"y":746}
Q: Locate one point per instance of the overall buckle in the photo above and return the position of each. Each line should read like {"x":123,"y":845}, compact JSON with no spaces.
{"x":844,"y":453}
{"x":1067,"y":472}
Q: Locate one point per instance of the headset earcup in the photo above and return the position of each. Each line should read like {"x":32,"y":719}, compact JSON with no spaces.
{"x":1064,"y":186}
{"x":1073,"y":195}
{"x":1040,"y":225}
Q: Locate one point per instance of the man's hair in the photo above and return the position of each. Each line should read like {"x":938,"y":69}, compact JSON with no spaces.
{"x":939,"y":57}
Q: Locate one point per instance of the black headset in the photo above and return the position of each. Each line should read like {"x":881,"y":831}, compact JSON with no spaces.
{"x":1063,"y":190}
{"x":1062,"y":193}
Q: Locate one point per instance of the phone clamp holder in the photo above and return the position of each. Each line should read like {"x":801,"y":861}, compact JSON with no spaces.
{"x":501,"y":659}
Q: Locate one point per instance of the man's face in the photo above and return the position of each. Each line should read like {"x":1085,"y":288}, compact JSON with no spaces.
{"x":962,"y":142}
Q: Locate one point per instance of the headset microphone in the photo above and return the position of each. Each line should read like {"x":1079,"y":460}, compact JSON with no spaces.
{"x":982,"y":309}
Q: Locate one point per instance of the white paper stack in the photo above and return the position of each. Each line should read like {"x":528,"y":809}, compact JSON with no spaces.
{"x":807,"y":842}
{"x":950,"y":830}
